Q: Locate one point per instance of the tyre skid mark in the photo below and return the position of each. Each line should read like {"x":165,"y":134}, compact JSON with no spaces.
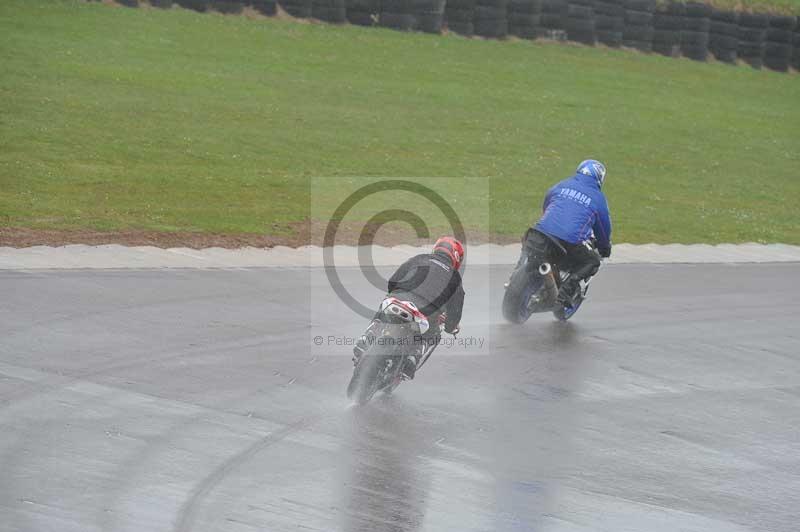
{"x":188,"y":512}
{"x":132,"y":467}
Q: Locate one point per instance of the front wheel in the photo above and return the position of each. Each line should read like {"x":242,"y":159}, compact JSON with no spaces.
{"x":365,"y":380}
{"x":563,"y":312}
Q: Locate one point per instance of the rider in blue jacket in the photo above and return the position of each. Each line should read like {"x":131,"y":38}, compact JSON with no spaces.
{"x":575,"y":210}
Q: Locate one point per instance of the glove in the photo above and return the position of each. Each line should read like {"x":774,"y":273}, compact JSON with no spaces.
{"x":605,"y":252}
{"x":454,"y":331}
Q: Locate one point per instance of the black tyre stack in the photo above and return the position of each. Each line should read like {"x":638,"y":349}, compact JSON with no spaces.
{"x":609,"y":22}
{"x":458,"y":16}
{"x":796,"y":47}
{"x":694,"y":35}
{"x":227,"y":6}
{"x":692,"y":29}
{"x":667,"y":26}
{"x":362,"y":12}
{"x":524,"y":18}
{"x":196,"y":5}
{"x":297,"y":8}
{"x":429,"y":15}
{"x":553,"y":14}
{"x":752,"y":30}
{"x":396,"y":14}
{"x":638,"y":30}
{"x":580,"y":22}
{"x":723,"y":35}
{"x":778,"y":44}
{"x":334,"y":11}
{"x":491,"y":18}
{"x":265,"y":7}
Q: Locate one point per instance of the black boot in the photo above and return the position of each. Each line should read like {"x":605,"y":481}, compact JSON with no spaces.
{"x":567,"y":292}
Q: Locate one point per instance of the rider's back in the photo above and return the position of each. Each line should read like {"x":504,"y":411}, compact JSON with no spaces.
{"x":437,"y":285}
{"x":573,"y":209}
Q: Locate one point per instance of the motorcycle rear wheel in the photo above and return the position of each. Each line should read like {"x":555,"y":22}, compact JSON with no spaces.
{"x":518,"y":294}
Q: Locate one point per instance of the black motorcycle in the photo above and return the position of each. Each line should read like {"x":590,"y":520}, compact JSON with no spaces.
{"x":534,"y":284}
{"x":402,"y":330}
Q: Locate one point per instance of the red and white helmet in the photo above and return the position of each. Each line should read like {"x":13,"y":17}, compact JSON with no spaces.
{"x":452,"y":248}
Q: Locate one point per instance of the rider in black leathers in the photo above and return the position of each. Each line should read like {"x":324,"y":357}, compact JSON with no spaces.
{"x":432,"y":282}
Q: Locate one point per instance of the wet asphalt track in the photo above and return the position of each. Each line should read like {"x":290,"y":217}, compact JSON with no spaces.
{"x":195,"y":400}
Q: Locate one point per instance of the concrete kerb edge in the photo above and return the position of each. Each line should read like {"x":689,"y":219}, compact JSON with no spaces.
{"x":139,"y":257}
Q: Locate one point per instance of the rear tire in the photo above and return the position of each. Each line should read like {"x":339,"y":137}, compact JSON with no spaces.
{"x":518,"y":294}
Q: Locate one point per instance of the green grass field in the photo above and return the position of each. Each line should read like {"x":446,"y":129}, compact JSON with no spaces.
{"x":117,"y":119}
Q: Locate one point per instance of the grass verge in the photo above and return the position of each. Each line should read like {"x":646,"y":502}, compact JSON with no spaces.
{"x":115,"y":119}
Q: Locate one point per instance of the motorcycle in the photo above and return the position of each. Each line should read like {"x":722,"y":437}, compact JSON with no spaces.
{"x":535,"y":282}
{"x":399,"y":330}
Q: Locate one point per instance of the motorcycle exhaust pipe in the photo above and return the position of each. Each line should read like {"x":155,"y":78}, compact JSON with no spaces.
{"x":546,"y":271}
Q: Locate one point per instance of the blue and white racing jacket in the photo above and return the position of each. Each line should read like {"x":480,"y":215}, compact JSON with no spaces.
{"x":574,"y":209}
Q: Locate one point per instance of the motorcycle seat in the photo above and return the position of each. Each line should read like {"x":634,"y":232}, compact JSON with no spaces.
{"x":557,"y":243}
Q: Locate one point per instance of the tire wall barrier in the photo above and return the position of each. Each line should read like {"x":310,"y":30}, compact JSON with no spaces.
{"x":396,"y":14}
{"x":609,"y":22}
{"x":231,"y":7}
{"x":667,"y":25}
{"x":724,"y":36}
{"x":525,"y":18}
{"x":458,"y":16}
{"x":552,"y":19}
{"x":690,"y":29}
{"x":197,"y":5}
{"x":796,"y":47}
{"x":297,"y":8}
{"x":579,"y":22}
{"x":638,"y":29}
{"x":752,"y":31}
{"x":266,"y":7}
{"x":695,"y":31}
{"x":362,"y":12}
{"x":778,"y":43}
{"x":490,"y":18}
{"x":333,"y":11}
{"x":409,"y":15}
{"x":429,"y":15}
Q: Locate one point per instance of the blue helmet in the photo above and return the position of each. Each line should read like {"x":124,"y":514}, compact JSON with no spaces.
{"x":593,"y":168}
